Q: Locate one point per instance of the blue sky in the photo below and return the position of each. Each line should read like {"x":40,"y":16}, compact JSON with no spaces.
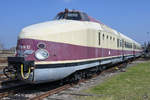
{"x":131,"y":17}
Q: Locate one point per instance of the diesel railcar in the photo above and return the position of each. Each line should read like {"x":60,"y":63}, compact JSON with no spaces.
{"x":70,"y":43}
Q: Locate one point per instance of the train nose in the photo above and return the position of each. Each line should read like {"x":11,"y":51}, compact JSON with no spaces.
{"x":46,"y":29}
{"x":19,"y":68}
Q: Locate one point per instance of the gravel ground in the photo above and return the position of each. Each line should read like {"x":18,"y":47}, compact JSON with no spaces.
{"x":2,"y":65}
{"x":1,"y":71}
{"x":72,"y":93}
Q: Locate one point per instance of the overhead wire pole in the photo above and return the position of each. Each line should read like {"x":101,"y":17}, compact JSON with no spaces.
{"x":147,"y":46}
{"x":148,"y":41}
{"x":148,"y":37}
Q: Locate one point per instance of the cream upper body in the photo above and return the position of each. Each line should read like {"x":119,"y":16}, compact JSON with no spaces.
{"x":83,"y":33}
{"x":64,"y":31}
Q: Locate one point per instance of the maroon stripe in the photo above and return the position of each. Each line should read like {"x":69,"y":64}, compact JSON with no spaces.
{"x":62,"y":51}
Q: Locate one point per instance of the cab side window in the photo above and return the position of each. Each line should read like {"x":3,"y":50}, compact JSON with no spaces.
{"x":85,"y":17}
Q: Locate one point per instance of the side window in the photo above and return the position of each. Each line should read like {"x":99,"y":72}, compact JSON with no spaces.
{"x":131,"y":45}
{"x":113,"y":39}
{"x":123,"y":43}
{"x":99,"y":38}
{"x":107,"y":36}
{"x":118,"y":42}
{"x":103,"y":36}
{"x":110,"y":37}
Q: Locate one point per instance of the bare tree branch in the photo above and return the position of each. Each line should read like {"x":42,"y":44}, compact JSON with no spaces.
{"x":1,"y":46}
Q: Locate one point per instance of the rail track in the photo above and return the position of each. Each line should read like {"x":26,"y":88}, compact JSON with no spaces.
{"x":3,"y":63}
{"x":40,"y":91}
{"x":66,"y":86}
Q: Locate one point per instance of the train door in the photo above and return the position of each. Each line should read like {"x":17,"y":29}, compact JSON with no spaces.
{"x":122,"y":47}
{"x":99,"y":50}
{"x":99,"y":44}
{"x":133,"y":49}
{"x":103,"y":44}
{"x":88,"y":35}
{"x":118,"y":44}
{"x":106,"y":51}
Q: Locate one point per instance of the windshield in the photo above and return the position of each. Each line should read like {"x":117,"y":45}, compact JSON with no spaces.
{"x":69,"y":16}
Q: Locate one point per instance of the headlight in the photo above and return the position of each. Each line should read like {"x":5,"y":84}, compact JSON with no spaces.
{"x":41,"y":54}
{"x":41,"y":45}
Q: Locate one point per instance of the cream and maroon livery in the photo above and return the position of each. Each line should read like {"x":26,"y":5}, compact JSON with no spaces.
{"x":75,"y":42}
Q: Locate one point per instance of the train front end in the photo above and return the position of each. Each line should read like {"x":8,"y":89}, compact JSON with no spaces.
{"x":21,"y":67}
{"x":44,"y":49}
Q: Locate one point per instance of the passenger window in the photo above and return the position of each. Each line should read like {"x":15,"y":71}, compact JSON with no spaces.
{"x":113,"y":39}
{"x":110,"y":38}
{"x":107,"y":36}
{"x":118,"y":42}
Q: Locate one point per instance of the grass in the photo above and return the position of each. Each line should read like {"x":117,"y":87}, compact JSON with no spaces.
{"x":134,"y":84}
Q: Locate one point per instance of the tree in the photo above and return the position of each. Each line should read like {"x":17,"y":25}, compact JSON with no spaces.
{"x":13,"y":49}
{"x":1,"y":46}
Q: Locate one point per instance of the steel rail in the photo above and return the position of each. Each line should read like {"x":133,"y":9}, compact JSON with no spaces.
{"x":59,"y":89}
{"x":64,"y":87}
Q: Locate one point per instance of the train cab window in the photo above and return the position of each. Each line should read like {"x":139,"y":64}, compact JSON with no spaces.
{"x":85,"y":17}
{"x":68,"y":15}
{"x":73,"y":16}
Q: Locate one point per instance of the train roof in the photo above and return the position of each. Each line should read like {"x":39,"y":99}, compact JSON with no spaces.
{"x":133,"y":41}
{"x":75,"y":15}
{"x":82,"y":16}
